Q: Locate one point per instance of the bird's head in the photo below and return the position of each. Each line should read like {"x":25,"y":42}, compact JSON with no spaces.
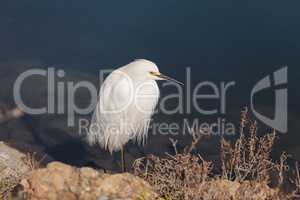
{"x":149,"y":70}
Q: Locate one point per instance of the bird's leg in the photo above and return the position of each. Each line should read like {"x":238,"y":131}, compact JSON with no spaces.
{"x":123,"y":159}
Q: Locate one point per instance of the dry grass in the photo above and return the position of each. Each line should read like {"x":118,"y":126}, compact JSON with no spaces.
{"x":32,"y":162}
{"x":249,"y":157}
{"x":246,"y":172}
{"x":8,"y":184}
{"x":175,"y":174}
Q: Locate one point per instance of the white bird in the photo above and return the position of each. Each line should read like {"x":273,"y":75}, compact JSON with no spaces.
{"x":127,"y":100}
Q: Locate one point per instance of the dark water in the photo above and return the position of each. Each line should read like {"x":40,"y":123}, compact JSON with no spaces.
{"x":220,"y":40}
{"x":227,"y":40}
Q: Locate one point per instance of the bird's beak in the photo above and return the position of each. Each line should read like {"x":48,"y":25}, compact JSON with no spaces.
{"x":164,"y":77}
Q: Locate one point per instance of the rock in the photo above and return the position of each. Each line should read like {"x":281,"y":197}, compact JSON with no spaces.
{"x":11,"y":162}
{"x":61,"y":180}
{"x":12,"y":168}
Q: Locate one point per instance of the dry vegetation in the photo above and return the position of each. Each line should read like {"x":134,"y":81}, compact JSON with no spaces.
{"x":11,"y":182}
{"x":6,"y":186}
{"x":246,"y":172}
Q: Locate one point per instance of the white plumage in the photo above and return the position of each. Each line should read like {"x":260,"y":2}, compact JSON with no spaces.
{"x":127,"y":100}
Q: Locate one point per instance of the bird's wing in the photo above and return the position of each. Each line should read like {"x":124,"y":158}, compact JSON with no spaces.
{"x":115,"y":96}
{"x":116,"y":92}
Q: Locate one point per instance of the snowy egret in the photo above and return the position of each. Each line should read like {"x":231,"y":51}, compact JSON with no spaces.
{"x":127,"y":100}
